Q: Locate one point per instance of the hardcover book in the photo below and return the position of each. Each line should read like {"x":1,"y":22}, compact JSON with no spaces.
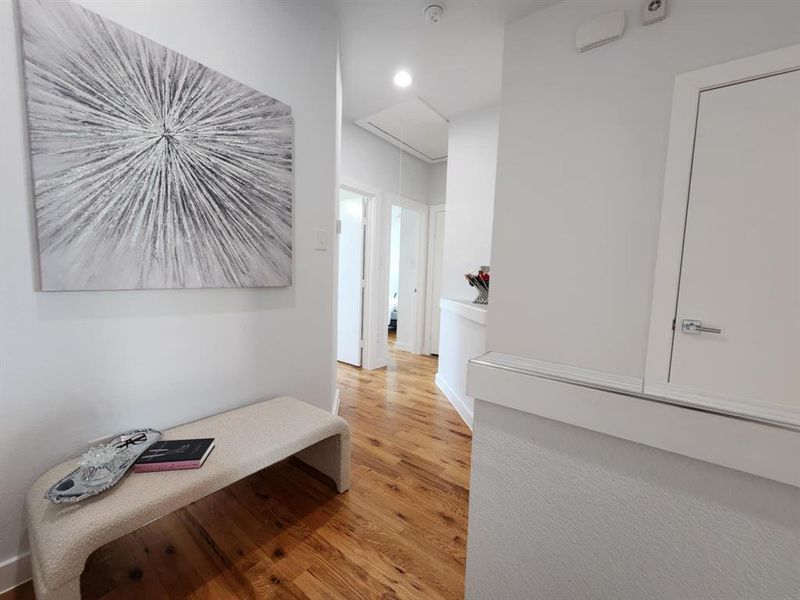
{"x":172,"y":455}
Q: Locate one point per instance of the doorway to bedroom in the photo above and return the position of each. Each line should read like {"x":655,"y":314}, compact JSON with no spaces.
{"x":383,"y":275}
{"x":407,"y":275}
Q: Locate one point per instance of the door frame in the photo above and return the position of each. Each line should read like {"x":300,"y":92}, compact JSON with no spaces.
{"x":677,"y":177}
{"x":431,"y":303}
{"x":371,"y":197}
{"x":362,"y":277}
{"x":418,"y":335}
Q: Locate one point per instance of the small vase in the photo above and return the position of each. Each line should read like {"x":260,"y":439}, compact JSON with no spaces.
{"x":483,"y":297}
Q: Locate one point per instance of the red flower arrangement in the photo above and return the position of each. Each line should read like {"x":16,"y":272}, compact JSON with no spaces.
{"x":481,"y":282}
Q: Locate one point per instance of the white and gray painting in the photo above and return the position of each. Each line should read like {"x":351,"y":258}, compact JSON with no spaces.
{"x":150,"y":169}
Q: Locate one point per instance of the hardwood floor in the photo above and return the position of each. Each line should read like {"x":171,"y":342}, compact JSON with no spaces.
{"x":399,"y":532}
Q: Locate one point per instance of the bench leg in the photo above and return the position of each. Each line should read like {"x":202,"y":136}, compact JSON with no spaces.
{"x":71,"y":590}
{"x":331,"y":457}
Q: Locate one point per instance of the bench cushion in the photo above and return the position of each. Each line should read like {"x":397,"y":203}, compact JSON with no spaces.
{"x":248,"y":439}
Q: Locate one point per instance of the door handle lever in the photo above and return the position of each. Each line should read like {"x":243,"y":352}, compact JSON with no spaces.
{"x":693,"y":327}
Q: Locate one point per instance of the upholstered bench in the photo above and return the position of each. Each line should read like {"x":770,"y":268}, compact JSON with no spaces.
{"x":248,"y":439}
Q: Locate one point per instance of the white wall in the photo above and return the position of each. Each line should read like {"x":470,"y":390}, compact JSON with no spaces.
{"x":581,"y":167}
{"x":577,"y":514}
{"x":460,"y":339}
{"x":437,"y":183}
{"x":77,"y":366}
{"x":559,"y":512}
{"x":471,"y":164}
{"x":369,"y":160}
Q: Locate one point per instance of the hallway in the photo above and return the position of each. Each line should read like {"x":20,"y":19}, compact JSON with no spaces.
{"x":400,"y":532}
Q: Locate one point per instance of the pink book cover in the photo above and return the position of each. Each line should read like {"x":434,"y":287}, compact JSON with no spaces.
{"x":168,"y":466}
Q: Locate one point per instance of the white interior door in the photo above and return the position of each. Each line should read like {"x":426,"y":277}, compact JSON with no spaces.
{"x":741,"y":263}
{"x":409,"y":275}
{"x":351,"y":277}
{"x":437,"y":247}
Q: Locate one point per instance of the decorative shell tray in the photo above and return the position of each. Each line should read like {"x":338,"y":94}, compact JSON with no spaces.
{"x":102,"y":468}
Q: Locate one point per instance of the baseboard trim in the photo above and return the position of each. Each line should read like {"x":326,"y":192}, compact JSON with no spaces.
{"x":402,"y":346}
{"x":15,"y":571}
{"x":379,"y":363}
{"x":455,"y":400}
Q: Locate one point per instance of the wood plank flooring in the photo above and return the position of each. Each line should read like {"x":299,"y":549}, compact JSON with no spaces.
{"x":399,"y":533}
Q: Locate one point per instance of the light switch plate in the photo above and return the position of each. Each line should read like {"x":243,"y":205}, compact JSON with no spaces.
{"x":653,"y":11}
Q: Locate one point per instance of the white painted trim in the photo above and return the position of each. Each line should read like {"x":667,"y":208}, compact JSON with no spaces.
{"x":334,"y":341}
{"x":336,"y":402}
{"x":667,"y":394}
{"x":464,"y":308}
{"x":369,"y":352}
{"x":366,"y":199}
{"x":454,"y":399}
{"x":367,"y":124}
{"x":430,"y":302}
{"x":735,"y":407}
{"x":380,"y":363}
{"x":386,"y":137}
{"x":422,"y":209}
{"x":15,"y":571}
{"x":403,"y":347}
{"x":686,"y":95}
{"x":562,"y":372}
{"x":359,"y":187}
{"x":382,"y":242}
{"x":372,"y":357}
{"x":422,"y":282}
{"x":735,"y":443}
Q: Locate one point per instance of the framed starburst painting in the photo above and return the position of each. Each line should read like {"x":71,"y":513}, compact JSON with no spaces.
{"x":150,"y":169}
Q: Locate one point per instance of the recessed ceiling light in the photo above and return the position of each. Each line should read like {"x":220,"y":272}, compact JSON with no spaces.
{"x":402,"y":79}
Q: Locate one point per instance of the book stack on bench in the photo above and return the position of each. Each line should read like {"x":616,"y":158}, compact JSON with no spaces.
{"x":172,"y":455}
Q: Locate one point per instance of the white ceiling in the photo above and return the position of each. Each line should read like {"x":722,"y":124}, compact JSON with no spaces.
{"x":456,"y":63}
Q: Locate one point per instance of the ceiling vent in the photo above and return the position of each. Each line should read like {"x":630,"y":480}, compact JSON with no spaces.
{"x":413,"y":126}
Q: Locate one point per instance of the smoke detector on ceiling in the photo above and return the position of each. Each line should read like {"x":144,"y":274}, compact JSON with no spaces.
{"x":434,"y":12}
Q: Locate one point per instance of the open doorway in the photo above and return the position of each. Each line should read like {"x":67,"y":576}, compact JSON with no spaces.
{"x":406,"y":275}
{"x":351,"y":280}
{"x":394,"y":270}
{"x":383,"y":275}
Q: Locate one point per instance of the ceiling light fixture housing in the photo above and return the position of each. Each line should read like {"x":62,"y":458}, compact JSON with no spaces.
{"x":434,"y":12}
{"x":402,"y":79}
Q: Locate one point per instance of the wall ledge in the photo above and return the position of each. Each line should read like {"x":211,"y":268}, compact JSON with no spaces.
{"x":561,"y":372}
{"x":667,"y":394}
{"x":465,"y":308}
{"x":608,"y":404}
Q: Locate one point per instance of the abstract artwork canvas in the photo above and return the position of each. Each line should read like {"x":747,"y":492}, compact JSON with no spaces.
{"x":150,"y":169}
